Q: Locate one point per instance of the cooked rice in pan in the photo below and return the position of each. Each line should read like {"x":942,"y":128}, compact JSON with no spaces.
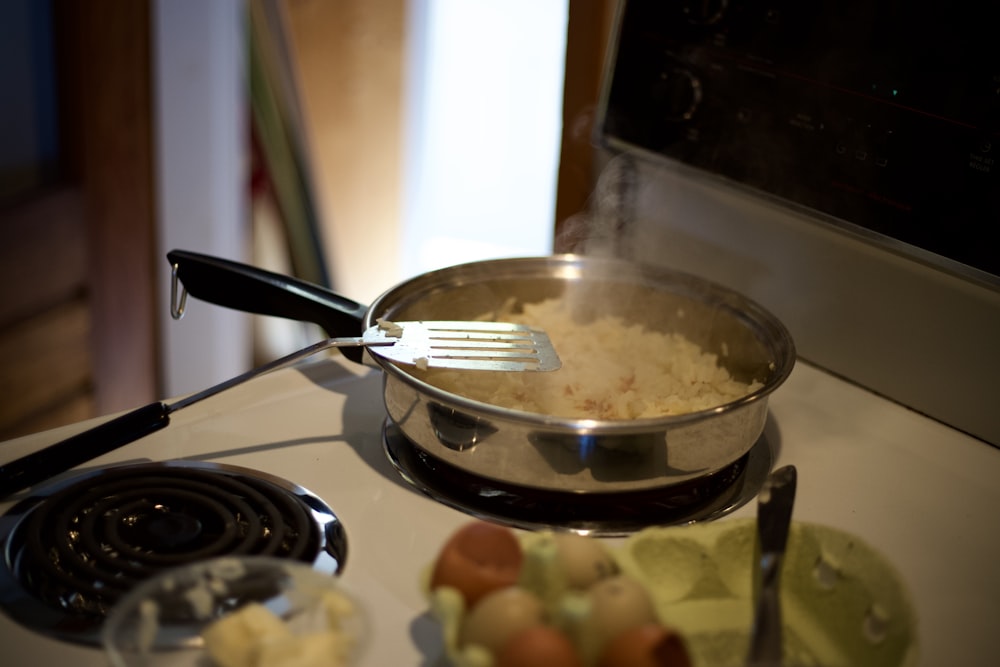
{"x":610,"y":370}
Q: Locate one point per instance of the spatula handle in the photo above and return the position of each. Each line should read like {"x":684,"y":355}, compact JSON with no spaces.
{"x":253,"y":290}
{"x":60,"y":457}
{"x":129,"y":427}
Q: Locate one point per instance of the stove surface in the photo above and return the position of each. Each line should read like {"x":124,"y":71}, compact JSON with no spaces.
{"x":922,"y":493}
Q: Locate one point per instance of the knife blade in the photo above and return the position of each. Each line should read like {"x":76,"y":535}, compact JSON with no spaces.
{"x":774,"y":517}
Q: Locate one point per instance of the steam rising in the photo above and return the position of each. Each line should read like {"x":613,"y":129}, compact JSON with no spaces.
{"x":604,"y":227}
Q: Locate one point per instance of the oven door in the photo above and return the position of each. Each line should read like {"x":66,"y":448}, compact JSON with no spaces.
{"x":826,"y":162}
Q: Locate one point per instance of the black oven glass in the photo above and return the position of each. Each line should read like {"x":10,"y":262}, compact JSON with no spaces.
{"x":882,"y":114}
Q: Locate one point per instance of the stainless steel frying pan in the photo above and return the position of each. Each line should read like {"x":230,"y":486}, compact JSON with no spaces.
{"x":526,"y":448}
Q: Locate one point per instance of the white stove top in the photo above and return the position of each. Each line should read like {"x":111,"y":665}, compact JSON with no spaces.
{"x":922,"y":493}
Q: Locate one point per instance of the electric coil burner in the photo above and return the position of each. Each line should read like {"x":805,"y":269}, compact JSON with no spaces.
{"x":608,"y":514}
{"x":73,"y":548}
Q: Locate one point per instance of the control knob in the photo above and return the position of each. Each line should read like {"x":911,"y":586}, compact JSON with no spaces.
{"x":704,"y":12}
{"x":676,"y":94}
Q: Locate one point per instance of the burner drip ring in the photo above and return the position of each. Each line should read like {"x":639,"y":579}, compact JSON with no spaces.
{"x":88,"y":542}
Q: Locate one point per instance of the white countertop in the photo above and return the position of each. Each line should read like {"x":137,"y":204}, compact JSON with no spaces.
{"x":920,"y":492}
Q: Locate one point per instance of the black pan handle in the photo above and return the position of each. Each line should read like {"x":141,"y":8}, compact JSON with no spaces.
{"x":253,"y":290}
{"x":60,"y":457}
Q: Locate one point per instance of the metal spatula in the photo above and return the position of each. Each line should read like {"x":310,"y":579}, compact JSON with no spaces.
{"x":484,"y":346}
{"x":489,"y":346}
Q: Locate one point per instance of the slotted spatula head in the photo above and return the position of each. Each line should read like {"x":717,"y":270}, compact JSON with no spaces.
{"x":485,"y":346}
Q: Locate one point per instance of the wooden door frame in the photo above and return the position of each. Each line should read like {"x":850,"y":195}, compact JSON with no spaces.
{"x":77,"y":320}
{"x":587,"y":38}
{"x":107,"y":66}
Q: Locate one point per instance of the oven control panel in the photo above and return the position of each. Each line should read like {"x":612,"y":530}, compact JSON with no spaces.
{"x":882,"y":115}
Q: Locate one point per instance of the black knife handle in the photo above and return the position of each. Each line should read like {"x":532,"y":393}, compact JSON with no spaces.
{"x":60,"y":457}
{"x":253,"y":290}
